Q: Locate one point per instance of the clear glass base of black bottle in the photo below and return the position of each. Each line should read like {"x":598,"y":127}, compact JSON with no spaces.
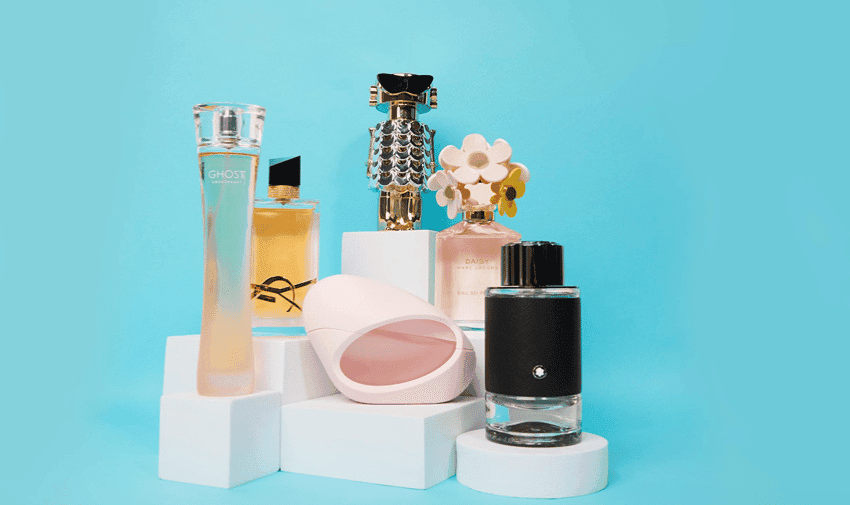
{"x":538,"y":435}
{"x":533,"y":422}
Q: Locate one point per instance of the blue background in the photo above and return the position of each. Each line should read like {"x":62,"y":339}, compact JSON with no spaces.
{"x":691,"y":157}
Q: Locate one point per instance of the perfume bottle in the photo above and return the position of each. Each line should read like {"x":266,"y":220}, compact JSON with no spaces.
{"x":476,"y":180}
{"x":229,"y":137}
{"x":467,"y":263}
{"x":401,"y":149}
{"x":285,"y":243}
{"x":532,"y":350}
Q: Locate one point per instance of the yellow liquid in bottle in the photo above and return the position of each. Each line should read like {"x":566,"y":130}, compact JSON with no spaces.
{"x":284,"y":262}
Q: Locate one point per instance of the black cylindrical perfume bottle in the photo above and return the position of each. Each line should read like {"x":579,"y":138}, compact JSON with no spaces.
{"x":533,"y":350}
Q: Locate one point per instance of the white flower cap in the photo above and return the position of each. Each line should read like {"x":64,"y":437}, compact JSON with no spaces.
{"x":476,"y":171}
{"x":448,"y":194}
{"x":477,"y":160}
{"x":524,"y":173}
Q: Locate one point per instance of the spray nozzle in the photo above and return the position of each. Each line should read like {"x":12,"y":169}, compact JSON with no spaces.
{"x":227,"y":124}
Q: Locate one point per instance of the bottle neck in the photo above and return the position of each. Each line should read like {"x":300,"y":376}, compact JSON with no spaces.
{"x":402,"y":110}
{"x":478,"y":216}
{"x":284,"y":192}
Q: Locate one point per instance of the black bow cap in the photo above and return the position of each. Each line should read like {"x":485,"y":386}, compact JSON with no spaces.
{"x":410,"y":83}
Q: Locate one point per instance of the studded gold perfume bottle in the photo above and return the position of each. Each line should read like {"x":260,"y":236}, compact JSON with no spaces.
{"x":401,"y":149}
{"x":285,"y":242}
{"x":476,"y":180}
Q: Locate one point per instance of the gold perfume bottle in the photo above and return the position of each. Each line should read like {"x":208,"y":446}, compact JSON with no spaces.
{"x":401,"y":149}
{"x":285,"y":246}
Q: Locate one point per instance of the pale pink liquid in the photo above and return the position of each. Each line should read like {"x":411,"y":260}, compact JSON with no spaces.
{"x":469,"y":262}
{"x":398,"y":352}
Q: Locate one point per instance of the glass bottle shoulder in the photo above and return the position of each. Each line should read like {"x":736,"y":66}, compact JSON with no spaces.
{"x":479,"y":229}
{"x":294,"y":203}
{"x":529,"y":292}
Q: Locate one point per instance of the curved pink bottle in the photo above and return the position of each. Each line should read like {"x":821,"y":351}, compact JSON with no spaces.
{"x":381,"y":344}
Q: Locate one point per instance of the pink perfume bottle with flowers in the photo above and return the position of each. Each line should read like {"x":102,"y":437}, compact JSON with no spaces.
{"x":476,"y":180}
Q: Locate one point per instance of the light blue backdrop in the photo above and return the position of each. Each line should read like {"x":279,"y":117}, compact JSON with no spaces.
{"x":690,"y":156}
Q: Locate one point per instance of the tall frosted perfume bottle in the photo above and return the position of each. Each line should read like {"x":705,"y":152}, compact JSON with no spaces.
{"x":285,"y":247}
{"x":401,"y":149}
{"x":476,"y":180}
{"x":229,"y":137}
{"x":532,"y":350}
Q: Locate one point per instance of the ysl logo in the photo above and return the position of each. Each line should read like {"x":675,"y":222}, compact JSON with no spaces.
{"x":259,"y":290}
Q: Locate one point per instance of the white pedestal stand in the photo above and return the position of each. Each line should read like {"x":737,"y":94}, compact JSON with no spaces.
{"x":526,"y":472}
{"x":287,"y":365}
{"x":476,"y":387}
{"x":404,"y":259}
{"x":219,"y":441}
{"x":398,"y":445}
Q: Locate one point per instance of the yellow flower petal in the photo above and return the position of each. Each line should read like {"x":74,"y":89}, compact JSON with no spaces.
{"x":510,"y":209}
{"x":519,"y":186}
{"x":513,"y":177}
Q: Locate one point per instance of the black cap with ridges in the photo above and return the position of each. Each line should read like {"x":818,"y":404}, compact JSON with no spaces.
{"x":410,"y":83}
{"x":285,"y":172}
{"x":532,"y":264}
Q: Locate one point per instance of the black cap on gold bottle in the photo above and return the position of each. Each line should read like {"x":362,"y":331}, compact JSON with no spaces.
{"x":285,"y":172}
{"x":284,"y":178}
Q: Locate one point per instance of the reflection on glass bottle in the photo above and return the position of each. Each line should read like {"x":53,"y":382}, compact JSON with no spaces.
{"x":476,"y":180}
{"x":285,"y":247}
{"x":229,"y":137}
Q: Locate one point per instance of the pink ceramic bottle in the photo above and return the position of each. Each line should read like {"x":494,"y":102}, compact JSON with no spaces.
{"x":380,"y":344}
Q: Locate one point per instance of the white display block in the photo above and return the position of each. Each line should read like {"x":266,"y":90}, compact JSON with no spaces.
{"x":476,"y":387}
{"x":219,"y":441}
{"x":286,"y":364}
{"x":532,"y":472}
{"x":404,"y":259}
{"x":398,"y":445}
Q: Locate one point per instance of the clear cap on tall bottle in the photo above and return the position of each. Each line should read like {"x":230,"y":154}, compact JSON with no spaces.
{"x":229,"y":125}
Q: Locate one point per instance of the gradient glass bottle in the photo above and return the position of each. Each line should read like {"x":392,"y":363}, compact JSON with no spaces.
{"x":468,"y":263}
{"x":229,"y":137}
{"x":476,"y":179}
{"x":285,"y":247}
{"x":532,"y":350}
